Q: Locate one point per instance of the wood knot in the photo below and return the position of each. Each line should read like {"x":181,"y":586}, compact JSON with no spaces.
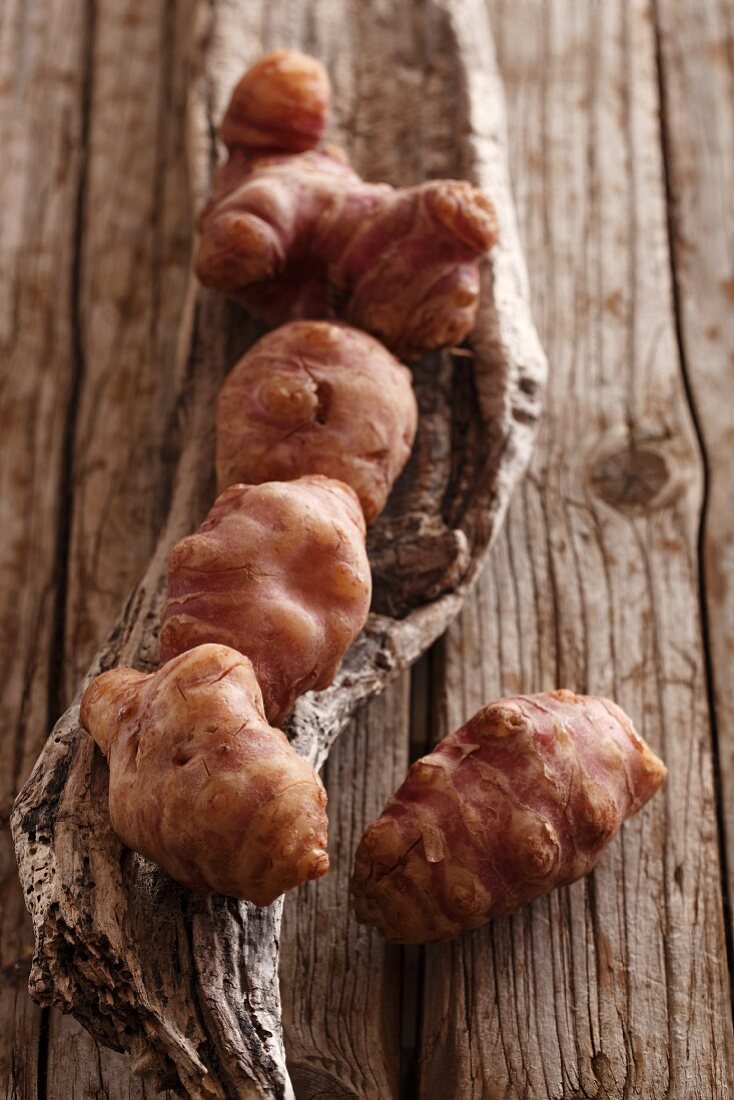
{"x":630,"y":478}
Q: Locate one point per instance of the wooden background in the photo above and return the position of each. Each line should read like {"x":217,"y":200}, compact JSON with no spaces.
{"x":615,"y":572}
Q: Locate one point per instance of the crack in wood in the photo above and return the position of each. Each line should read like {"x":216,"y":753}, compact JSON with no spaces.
{"x":674,"y":244}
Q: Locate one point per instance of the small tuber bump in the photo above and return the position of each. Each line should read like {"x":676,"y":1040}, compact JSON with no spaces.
{"x":281,"y":102}
{"x":520,"y":800}
{"x":278,"y":572}
{"x":292,"y":231}
{"x":200,"y":783}
{"x":315,"y":397}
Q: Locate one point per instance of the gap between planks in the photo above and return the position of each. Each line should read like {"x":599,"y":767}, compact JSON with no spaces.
{"x":715,"y":660}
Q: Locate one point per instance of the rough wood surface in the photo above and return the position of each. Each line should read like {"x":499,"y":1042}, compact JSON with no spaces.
{"x":134,"y":234}
{"x":135,"y":229}
{"x":340,"y":984}
{"x":617,"y":986}
{"x":196,"y":1000}
{"x":549,"y":56}
{"x":41,"y":139}
{"x":696,"y":68}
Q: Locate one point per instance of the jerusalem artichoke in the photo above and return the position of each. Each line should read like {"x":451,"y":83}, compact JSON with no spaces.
{"x":520,"y":800}
{"x":315,"y":397}
{"x":299,"y":234}
{"x":279,"y":572}
{"x":200,"y":783}
{"x":281,"y":102}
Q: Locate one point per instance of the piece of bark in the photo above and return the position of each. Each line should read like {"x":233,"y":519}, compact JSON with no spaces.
{"x":189,"y":985}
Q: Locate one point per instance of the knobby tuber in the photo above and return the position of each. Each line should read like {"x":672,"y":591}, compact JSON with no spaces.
{"x":200,"y":783}
{"x":279,"y":572}
{"x":292,"y":231}
{"x":281,"y":102}
{"x":315,"y":397}
{"x":520,"y":800}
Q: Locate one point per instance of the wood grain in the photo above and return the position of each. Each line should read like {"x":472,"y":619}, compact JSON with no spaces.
{"x":341,"y":985}
{"x":616,"y":986}
{"x":135,"y":234}
{"x":696,"y":68}
{"x":573,"y":999}
{"x":136,"y":231}
{"x":41,"y":135}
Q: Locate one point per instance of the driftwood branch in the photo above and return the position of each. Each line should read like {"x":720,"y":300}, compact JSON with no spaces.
{"x":189,"y":986}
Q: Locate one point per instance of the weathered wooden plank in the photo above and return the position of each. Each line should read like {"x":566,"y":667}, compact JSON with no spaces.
{"x":616,"y":986}
{"x":42,"y":46}
{"x":696,"y":56}
{"x":340,"y":985}
{"x":78,"y":1068}
{"x":134,"y":234}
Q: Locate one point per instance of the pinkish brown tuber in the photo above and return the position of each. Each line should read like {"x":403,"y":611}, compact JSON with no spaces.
{"x":200,"y":783}
{"x":281,"y":102}
{"x":315,"y":397}
{"x":279,"y":572}
{"x":520,"y":800}
{"x":292,"y":231}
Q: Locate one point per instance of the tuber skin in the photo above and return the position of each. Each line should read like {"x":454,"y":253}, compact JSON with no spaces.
{"x":278,"y":572}
{"x":315,"y":397}
{"x":523,"y":798}
{"x":293,"y":232}
{"x":282,"y":102}
{"x":200,"y":783}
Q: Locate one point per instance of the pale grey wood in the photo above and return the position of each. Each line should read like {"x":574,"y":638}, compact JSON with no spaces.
{"x":616,"y":987}
{"x":95,"y":950}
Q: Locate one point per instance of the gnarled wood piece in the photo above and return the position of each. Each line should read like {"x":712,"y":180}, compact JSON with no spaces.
{"x":189,"y":985}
